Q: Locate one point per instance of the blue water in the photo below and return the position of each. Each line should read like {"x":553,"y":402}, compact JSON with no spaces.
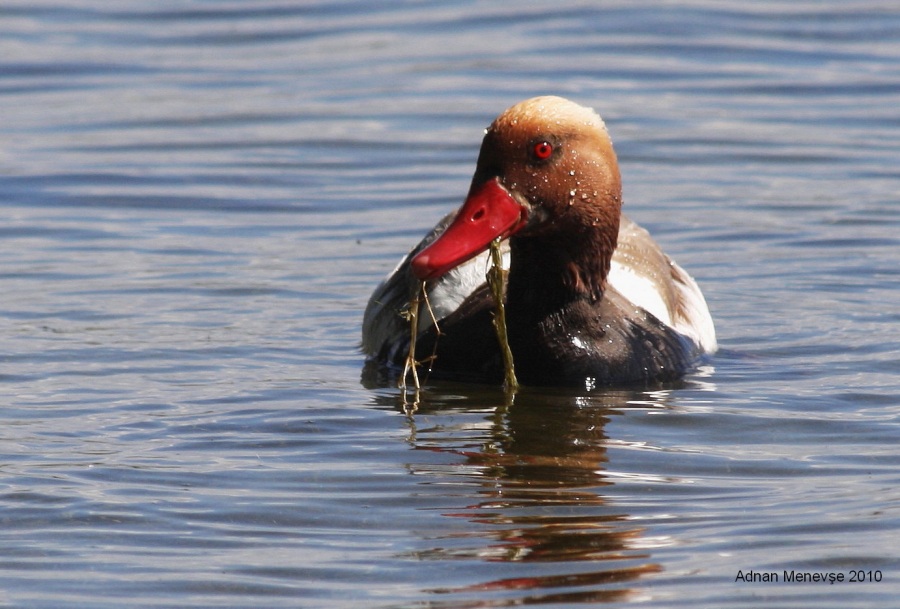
{"x":199,"y":197}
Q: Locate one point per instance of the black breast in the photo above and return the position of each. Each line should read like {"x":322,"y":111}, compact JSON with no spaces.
{"x":610,"y":342}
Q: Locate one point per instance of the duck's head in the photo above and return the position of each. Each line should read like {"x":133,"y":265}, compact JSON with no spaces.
{"x":546,"y":170}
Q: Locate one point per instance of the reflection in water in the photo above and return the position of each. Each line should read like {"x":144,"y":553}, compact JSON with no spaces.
{"x":538,"y":465}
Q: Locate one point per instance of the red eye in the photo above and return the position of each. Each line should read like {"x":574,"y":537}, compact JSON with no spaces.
{"x":542,"y":150}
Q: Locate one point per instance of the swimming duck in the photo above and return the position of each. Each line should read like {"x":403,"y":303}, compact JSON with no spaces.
{"x":591,"y":299}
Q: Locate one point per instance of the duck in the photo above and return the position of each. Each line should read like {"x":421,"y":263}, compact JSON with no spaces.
{"x":591,"y":299}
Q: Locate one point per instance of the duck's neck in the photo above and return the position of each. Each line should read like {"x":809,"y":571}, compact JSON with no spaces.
{"x":548,"y":272}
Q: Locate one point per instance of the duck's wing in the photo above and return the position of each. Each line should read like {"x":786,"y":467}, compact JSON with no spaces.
{"x":646,"y":276}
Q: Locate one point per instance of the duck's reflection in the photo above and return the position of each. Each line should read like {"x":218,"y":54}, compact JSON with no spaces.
{"x":538,"y":466}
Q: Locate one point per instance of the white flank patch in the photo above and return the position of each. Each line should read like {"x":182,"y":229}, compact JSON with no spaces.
{"x":639,"y":290}
{"x":447,"y":293}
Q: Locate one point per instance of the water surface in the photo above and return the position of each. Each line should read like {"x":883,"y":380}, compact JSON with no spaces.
{"x":198,"y":199}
